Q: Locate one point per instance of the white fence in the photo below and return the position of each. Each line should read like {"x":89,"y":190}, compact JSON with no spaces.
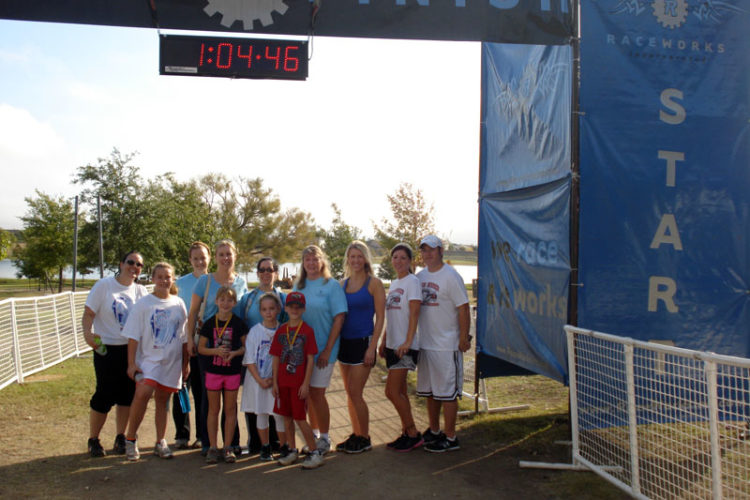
{"x":659,"y":421}
{"x":38,"y":332}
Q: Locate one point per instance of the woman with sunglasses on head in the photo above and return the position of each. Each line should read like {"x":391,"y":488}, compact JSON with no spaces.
{"x":268,"y":272}
{"x":105,"y":314}
{"x":205,"y":290}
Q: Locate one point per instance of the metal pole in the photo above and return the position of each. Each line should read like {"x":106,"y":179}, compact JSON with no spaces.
{"x":75,"y":246}
{"x":101,"y":239}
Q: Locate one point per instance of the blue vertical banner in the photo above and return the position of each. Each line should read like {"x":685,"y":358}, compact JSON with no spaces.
{"x":665,"y":172}
{"x":524,"y":185}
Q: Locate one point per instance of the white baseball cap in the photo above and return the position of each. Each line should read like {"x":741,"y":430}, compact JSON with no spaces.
{"x":431,"y":241}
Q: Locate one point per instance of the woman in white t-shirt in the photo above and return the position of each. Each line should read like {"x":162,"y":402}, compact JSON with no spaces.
{"x":400,"y":346}
{"x":105,"y":314}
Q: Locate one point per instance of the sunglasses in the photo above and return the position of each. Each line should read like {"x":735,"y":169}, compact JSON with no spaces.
{"x":265,"y":270}
{"x":132,"y":262}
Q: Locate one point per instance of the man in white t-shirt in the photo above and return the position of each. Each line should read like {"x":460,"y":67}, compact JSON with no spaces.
{"x":443,"y":338}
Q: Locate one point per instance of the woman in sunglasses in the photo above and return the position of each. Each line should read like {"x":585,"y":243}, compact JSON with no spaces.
{"x":105,"y":313}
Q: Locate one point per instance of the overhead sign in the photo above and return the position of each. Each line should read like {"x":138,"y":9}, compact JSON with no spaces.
{"x":509,"y":21}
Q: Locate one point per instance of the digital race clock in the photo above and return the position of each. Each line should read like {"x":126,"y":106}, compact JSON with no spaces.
{"x":232,"y":57}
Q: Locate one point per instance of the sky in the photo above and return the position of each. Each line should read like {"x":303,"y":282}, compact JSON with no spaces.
{"x":371,"y":115}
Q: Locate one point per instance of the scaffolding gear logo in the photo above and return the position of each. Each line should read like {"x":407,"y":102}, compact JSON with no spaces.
{"x":670,"y":13}
{"x":247,"y":12}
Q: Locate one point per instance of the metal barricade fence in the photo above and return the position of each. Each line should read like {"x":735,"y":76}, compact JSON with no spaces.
{"x":660,"y":421}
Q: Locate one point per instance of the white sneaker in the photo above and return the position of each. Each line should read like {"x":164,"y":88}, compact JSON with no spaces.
{"x":131,"y":450}
{"x":323,"y":445}
{"x":313,"y":460}
{"x":162,"y":449}
{"x":289,"y":458}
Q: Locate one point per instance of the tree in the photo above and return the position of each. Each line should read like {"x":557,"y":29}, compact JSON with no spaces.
{"x":411,"y":220}
{"x":48,"y":232}
{"x":336,"y":239}
{"x":6,"y":243}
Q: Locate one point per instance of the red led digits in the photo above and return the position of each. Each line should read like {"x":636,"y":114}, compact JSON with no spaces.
{"x":294,"y":66}
{"x":276,"y":58}
{"x":203,"y":46}
{"x":248,"y":56}
{"x":228,"y":49}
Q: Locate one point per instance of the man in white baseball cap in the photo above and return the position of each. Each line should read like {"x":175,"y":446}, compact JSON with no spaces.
{"x":444,"y":323}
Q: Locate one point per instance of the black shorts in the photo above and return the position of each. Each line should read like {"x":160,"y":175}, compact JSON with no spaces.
{"x":113,"y":386}
{"x":352,"y":351}
{"x":408,"y":361}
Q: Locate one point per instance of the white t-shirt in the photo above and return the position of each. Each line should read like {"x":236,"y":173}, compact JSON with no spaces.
{"x":257,"y":346}
{"x":442,"y":293}
{"x":158,"y":325}
{"x":401,"y":292}
{"x":111,"y":302}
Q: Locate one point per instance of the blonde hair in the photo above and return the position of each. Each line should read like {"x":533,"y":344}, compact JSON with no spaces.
{"x":362,"y":247}
{"x":169,"y":267}
{"x":226,"y":243}
{"x":226,"y":290}
{"x":270,"y":296}
{"x":324,"y":270}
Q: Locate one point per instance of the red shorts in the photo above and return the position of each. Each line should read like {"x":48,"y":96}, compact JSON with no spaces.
{"x":156,"y":385}
{"x":216,"y":382}
{"x":288,"y":404}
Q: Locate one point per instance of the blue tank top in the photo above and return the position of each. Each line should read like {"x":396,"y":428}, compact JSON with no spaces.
{"x":359,"y":320}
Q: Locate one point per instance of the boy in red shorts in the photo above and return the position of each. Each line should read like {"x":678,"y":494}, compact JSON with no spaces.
{"x":293,"y":348}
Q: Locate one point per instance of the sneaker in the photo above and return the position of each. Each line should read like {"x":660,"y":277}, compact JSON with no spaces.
{"x":229,"y":456}
{"x":212,"y":456}
{"x":237,"y":450}
{"x":428,"y":436}
{"x":119,"y":446}
{"x":182,"y":443}
{"x":398,"y":441}
{"x":95,"y":448}
{"x":442,"y":445}
{"x":131,"y":450}
{"x":342,"y":445}
{"x":289,"y":458}
{"x":197,"y":444}
{"x":323,"y":445}
{"x":204,"y":451}
{"x":265,"y":453}
{"x":162,"y":450}
{"x":313,"y":460}
{"x":409,"y":443}
{"x":283,"y":451}
{"x":358,"y":444}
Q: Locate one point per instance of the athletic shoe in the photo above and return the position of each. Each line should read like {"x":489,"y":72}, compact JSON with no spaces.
{"x":204,"y":451}
{"x":288,"y":459}
{"x":398,"y":441}
{"x":229,"y":456}
{"x":212,"y":456}
{"x":430,"y":436}
{"x":323,"y":445}
{"x":342,"y":445}
{"x":162,"y":450}
{"x":119,"y":446}
{"x":95,"y":448}
{"x":237,"y":450}
{"x":182,"y":443}
{"x":358,"y":444}
{"x":265,"y":453}
{"x":131,"y":450}
{"x":197,"y":444}
{"x":442,"y":445}
{"x":313,"y":460}
{"x":409,"y":443}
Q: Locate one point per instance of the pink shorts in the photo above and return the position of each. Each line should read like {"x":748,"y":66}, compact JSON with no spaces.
{"x":216,"y":382}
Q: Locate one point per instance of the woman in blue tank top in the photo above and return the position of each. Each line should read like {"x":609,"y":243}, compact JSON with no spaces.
{"x":365,"y":298}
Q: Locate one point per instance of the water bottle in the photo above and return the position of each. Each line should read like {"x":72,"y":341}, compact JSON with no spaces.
{"x":101,"y":349}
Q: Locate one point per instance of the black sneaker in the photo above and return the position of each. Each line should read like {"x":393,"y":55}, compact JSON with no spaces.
{"x":409,"y":443}
{"x":358,"y":444}
{"x":284,"y":450}
{"x":344,"y":444}
{"x":265,"y":453}
{"x":95,"y":448}
{"x":119,"y":446}
{"x":442,"y":445}
{"x":428,"y":436}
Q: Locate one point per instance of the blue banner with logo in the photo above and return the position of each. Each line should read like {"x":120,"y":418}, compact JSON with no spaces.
{"x":665,"y":172}
{"x":524,"y":210}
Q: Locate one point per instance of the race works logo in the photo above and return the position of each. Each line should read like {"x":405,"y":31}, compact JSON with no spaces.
{"x":670,"y":13}
{"x":247,"y":12}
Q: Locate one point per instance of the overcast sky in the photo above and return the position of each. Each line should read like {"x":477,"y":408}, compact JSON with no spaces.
{"x":372,"y":114}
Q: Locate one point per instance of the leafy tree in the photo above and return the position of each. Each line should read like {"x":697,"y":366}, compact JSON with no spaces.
{"x":6,"y":243}
{"x":411,"y":220}
{"x":336,"y":239}
{"x":48,"y":231}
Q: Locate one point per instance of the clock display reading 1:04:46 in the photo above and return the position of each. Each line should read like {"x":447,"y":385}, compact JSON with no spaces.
{"x":232,"y":57}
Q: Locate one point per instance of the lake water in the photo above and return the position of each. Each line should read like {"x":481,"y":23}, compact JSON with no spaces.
{"x":8,"y":270}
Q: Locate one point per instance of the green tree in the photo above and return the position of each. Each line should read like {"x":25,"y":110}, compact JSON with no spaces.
{"x":336,"y":239}
{"x":6,"y":243}
{"x":48,"y":232}
{"x":411,"y":219}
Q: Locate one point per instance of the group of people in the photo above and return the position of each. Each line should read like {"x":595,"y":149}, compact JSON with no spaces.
{"x":207,"y":331}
